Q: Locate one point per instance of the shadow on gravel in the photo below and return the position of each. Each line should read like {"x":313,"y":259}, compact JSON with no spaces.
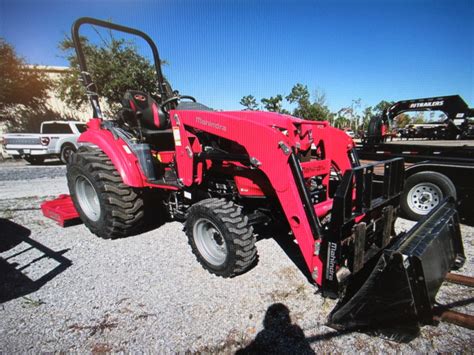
{"x":288,"y":245}
{"x":14,"y":281}
{"x":47,"y":163}
{"x":279,"y":335}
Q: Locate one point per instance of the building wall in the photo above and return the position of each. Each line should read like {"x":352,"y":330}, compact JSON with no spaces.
{"x":55,"y":103}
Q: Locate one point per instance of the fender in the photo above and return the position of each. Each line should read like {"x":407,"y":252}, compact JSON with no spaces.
{"x":65,"y":140}
{"x":117,"y":150}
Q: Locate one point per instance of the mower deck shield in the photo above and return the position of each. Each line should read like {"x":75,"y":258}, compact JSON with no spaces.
{"x":61,"y":210}
{"x":402,"y":287}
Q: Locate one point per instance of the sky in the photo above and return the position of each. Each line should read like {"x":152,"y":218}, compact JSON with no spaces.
{"x":219,"y":51}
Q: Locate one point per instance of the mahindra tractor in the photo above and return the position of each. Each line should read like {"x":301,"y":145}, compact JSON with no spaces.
{"x":227,"y":174}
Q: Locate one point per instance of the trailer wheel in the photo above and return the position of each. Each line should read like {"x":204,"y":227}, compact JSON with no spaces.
{"x":66,"y":152}
{"x":423,"y":192}
{"x":34,"y":160}
{"x":108,"y":207}
{"x":220,"y":237}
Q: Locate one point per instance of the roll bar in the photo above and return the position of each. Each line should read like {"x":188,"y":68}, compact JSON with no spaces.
{"x":86,"y":77}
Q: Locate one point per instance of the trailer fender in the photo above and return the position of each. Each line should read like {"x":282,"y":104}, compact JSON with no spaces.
{"x":117,"y":150}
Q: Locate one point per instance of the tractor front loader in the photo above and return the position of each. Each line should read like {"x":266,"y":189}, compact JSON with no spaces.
{"x":225,"y":173}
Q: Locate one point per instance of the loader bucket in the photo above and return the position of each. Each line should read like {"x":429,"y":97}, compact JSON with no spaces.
{"x":400,"y":290}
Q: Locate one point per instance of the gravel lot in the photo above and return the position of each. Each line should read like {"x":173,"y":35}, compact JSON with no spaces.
{"x":67,"y":290}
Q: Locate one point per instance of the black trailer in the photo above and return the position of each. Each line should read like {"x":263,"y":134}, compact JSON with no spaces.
{"x":457,"y":125}
{"x":435,"y":168}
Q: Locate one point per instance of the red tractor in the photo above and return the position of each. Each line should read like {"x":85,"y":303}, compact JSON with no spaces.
{"x":226,"y":173}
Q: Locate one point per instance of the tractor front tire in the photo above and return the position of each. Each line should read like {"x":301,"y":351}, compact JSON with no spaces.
{"x":220,"y":237}
{"x":108,"y":207}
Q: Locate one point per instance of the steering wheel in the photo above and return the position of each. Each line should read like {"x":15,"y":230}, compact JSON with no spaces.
{"x":175,"y":98}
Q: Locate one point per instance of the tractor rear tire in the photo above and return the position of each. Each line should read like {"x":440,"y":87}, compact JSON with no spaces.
{"x":220,"y":237}
{"x":108,"y":207}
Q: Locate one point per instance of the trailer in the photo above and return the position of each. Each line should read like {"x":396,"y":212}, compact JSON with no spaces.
{"x":457,"y":125}
{"x":435,"y":168}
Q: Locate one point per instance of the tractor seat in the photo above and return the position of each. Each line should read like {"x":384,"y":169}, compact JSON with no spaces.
{"x":144,"y":107}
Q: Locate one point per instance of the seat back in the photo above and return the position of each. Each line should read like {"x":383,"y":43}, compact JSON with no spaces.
{"x":146,"y":109}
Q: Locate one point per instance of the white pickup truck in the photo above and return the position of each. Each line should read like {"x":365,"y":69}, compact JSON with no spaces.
{"x":56,"y":139}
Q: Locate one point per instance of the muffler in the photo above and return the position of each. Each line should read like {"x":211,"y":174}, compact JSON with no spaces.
{"x":401,"y":288}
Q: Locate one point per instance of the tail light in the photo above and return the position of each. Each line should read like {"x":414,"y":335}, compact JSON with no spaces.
{"x":44,"y":140}
{"x":3,"y":140}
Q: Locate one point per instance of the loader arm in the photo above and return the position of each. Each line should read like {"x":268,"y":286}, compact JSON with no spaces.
{"x":264,"y":147}
{"x":272,"y":148}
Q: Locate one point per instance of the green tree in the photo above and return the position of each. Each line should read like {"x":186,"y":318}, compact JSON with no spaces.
{"x":381,"y":106}
{"x":419,"y":118}
{"x":340,"y":120}
{"x":273,"y":103}
{"x":343,"y":118}
{"x":402,"y":120}
{"x":19,"y":84}
{"x":115,"y":67}
{"x":367,"y":114}
{"x":316,"y":110}
{"x":350,"y":114}
{"x":249,"y":102}
{"x":299,"y":94}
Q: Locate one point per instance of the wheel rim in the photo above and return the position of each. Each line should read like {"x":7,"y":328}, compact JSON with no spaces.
{"x":210,"y":242}
{"x":423,"y":197}
{"x":88,"y":198}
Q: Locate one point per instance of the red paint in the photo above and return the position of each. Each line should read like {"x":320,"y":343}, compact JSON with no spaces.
{"x":323,"y":208}
{"x":262,"y":134}
{"x":246,"y":187}
{"x":61,"y":210}
{"x":156,"y":117}
{"x":166,"y":157}
{"x":126,"y":164}
{"x":132,"y":105}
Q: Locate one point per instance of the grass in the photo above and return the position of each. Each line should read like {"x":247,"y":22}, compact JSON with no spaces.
{"x":30,"y":302}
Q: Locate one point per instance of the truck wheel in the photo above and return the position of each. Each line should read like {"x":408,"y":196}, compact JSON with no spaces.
{"x":66,"y":152}
{"x":34,"y":160}
{"x":423,"y":192}
{"x":108,"y":207}
{"x":220,"y":237}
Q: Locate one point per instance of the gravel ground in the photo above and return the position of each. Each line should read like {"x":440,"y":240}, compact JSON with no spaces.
{"x":67,"y":290}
